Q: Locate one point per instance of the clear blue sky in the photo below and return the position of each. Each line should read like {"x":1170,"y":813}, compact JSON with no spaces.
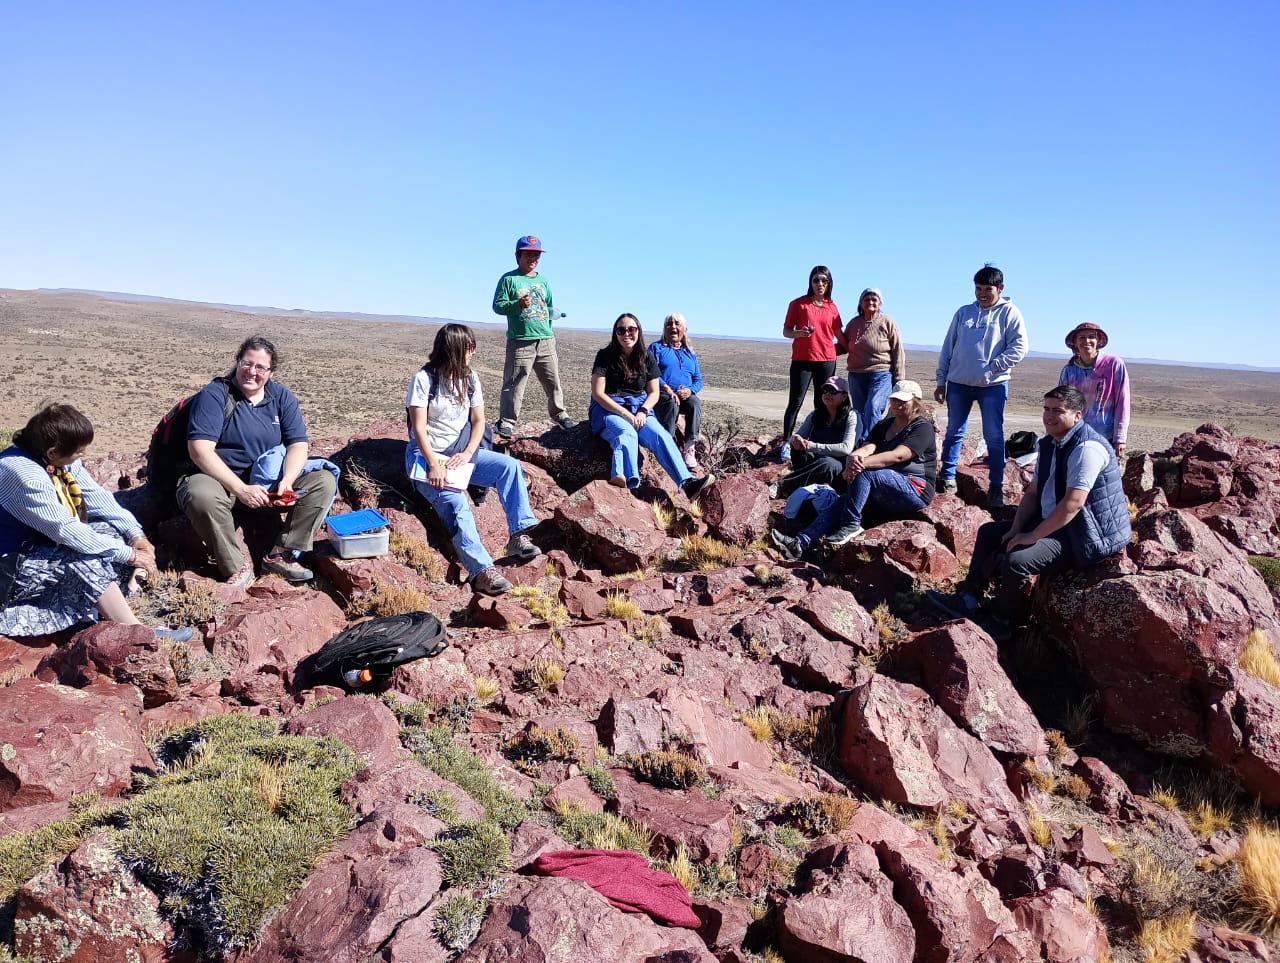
{"x":1120,"y":162}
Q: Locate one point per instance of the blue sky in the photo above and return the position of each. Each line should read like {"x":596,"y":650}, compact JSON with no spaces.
{"x":1118,"y":161}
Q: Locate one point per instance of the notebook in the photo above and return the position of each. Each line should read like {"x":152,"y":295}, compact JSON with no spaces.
{"x":455,"y":479}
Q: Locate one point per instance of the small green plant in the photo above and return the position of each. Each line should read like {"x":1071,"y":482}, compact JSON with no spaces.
{"x":601,"y":781}
{"x":472,"y":853}
{"x":407,"y":713}
{"x":790,"y":838}
{"x":1268,"y":568}
{"x":436,"y":802}
{"x":436,"y":749}
{"x":458,"y":921}
{"x":668,"y":768}
{"x":382,"y":600}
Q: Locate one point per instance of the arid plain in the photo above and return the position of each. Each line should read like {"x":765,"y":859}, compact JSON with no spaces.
{"x":124,"y":363}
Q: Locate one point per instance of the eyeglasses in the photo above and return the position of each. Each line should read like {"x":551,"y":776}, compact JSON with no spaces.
{"x":255,"y":368}
{"x":632,"y":330}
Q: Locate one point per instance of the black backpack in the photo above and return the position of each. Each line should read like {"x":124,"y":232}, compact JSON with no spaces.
{"x":368,"y":652}
{"x":167,"y":458}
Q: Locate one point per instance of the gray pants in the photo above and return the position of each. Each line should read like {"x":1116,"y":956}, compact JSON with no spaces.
{"x":668,"y":408}
{"x":209,"y":507}
{"x":539,"y":356}
{"x":1050,"y":554}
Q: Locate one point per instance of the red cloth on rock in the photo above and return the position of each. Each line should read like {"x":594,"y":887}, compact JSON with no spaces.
{"x":625,"y":880}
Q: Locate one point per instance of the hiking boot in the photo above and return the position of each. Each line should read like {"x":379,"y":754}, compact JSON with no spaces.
{"x":844,"y":534}
{"x":995,"y":498}
{"x":287,"y":568}
{"x":243,"y":578}
{"x":522,"y":547}
{"x":960,"y":604}
{"x":504,"y":431}
{"x":690,"y":457}
{"x":788,"y":546}
{"x":949,"y":486}
{"x":567,"y":423}
{"x":183,"y":633}
{"x":694,"y":487}
{"x":490,"y":582}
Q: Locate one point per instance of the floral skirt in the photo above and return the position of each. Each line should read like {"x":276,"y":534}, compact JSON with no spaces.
{"x":56,"y":588}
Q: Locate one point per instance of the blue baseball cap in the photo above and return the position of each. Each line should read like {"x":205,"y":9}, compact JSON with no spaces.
{"x":528,"y":243}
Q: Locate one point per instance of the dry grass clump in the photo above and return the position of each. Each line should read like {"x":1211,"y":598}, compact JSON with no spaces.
{"x":486,"y":688}
{"x":1075,"y":787}
{"x":413,"y":552}
{"x":537,"y":745}
{"x":388,"y":600}
{"x":1164,"y":798}
{"x":1057,"y":743}
{"x":1080,"y":717}
{"x":590,"y":830}
{"x":1039,"y":826}
{"x":1259,"y":864}
{"x":888,"y":626}
{"x":651,"y":631}
{"x":618,"y":606}
{"x":1206,"y":817}
{"x":1042,"y":780}
{"x":769,"y":577}
{"x":760,"y":721}
{"x":541,"y":606}
{"x":816,"y":734}
{"x":10,"y":676}
{"x":667,"y":768}
{"x":166,"y":600}
{"x":821,"y":814}
{"x":364,"y":490}
{"x":1259,"y":659}
{"x":542,"y":676}
{"x":1167,"y":940}
{"x":705,"y":552}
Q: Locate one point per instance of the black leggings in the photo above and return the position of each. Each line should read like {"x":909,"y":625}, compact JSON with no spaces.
{"x":810,"y":469}
{"x":802,"y":373}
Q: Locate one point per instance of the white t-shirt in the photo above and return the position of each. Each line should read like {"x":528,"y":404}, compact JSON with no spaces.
{"x":1084,"y":465}
{"x":446,"y":416}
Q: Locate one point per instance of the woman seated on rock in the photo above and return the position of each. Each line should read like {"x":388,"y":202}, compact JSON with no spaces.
{"x":624,"y":389}
{"x":445,"y":407}
{"x":893,"y":473}
{"x":1104,"y":382}
{"x":680,"y":380}
{"x":223,"y":451}
{"x":822,"y":442}
{"x":66,"y":546}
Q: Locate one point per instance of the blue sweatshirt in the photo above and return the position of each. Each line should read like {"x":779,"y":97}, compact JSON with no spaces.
{"x":982,"y":346}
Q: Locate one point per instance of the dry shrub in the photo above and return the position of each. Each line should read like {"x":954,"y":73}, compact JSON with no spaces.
{"x":1057,"y":743}
{"x":539,"y":744}
{"x":651,"y":631}
{"x":705,"y":552}
{"x":487,"y":689}
{"x":1167,"y":940}
{"x":364,"y":490}
{"x":542,"y":675}
{"x":821,"y":814}
{"x":760,"y":721}
{"x":1042,"y":780}
{"x":416,"y":554}
{"x":667,"y":768}
{"x":10,"y":676}
{"x":383,"y":600}
{"x":1075,"y":787}
{"x":888,"y":626}
{"x":618,"y":606}
{"x":816,"y":734}
{"x":165,"y":599}
{"x":1039,"y":826}
{"x":1259,"y":659}
{"x":1259,"y":863}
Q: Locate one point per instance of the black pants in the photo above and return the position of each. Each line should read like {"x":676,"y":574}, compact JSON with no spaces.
{"x":804,"y":373}
{"x":811,"y":469}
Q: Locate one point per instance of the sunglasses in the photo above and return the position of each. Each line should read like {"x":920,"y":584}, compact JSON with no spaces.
{"x":632,"y":330}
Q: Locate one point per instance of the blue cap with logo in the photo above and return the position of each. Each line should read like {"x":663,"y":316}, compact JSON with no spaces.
{"x":528,"y":243}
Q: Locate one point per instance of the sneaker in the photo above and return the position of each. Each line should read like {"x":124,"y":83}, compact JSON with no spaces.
{"x":567,"y":423}
{"x":949,"y":486}
{"x":490,"y":582}
{"x":960,"y":604}
{"x":995,"y":498}
{"x":694,"y":487}
{"x":788,"y":546}
{"x":522,"y":547}
{"x":504,"y":431}
{"x":773,"y":490}
{"x":690,"y":456}
{"x":784,"y":453}
{"x":844,"y":534}
{"x":287,"y":568}
{"x":243,"y":578}
{"x":183,"y":633}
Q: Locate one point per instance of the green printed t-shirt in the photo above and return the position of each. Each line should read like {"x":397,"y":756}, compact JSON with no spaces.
{"x":533,"y":321}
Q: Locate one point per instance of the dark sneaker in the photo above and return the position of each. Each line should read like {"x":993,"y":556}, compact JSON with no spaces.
{"x":844,"y":534}
{"x":490,"y":582}
{"x":995,"y":498}
{"x":567,"y":423}
{"x":287,"y":568}
{"x":948,"y":485}
{"x":696,"y":486}
{"x":505,"y":432}
{"x":184,"y":633}
{"x":960,"y":604}
{"x":787,"y":545}
{"x":522,"y":547}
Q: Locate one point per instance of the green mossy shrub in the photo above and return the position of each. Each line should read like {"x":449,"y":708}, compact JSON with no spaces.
{"x":601,"y":782}
{"x":25,"y":855}
{"x":667,"y":768}
{"x":408,"y":713}
{"x":458,"y":921}
{"x":472,"y":853}
{"x":1268,"y":568}
{"x":436,"y":749}
{"x":230,"y":828}
{"x":438,"y":803}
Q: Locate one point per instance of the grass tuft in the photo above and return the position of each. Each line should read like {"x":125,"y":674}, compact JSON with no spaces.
{"x":458,"y":921}
{"x":821,"y":814}
{"x":487,"y":688}
{"x":1259,"y":862}
{"x":1042,"y":780}
{"x":536,"y":745}
{"x":1039,"y":826}
{"x":1057,"y":743}
{"x":1167,"y":940}
{"x":705,"y":552}
{"x":416,"y":554}
{"x":1259,"y":659}
{"x":760,"y":721}
{"x":588,"y":830}
{"x":382,"y":600}
{"x":618,"y":606}
{"x":542,"y":676}
{"x":1075,"y":787}
{"x":667,"y":768}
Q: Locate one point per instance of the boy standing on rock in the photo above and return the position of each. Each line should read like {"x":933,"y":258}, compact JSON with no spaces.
{"x":523,"y":296}
{"x":985,"y":340}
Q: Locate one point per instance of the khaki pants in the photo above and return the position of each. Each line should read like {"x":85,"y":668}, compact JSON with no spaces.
{"x":209,"y":507}
{"x":539,"y":356}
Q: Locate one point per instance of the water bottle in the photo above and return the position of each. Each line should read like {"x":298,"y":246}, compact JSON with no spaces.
{"x":357,"y":677}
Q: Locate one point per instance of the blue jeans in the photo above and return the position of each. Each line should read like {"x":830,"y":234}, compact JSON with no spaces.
{"x":625,"y":440}
{"x":885,"y":489}
{"x":869,"y":394}
{"x":493,"y":470}
{"x":991,"y":400}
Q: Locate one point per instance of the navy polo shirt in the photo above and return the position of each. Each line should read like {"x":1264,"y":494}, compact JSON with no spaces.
{"x":252,"y":430}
